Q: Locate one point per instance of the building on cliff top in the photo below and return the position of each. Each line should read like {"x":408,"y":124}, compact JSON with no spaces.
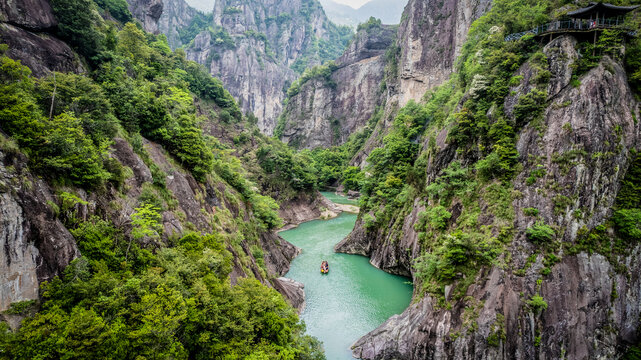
{"x":591,"y":19}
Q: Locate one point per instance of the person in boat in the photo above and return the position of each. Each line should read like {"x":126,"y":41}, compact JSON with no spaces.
{"x":324,"y":266}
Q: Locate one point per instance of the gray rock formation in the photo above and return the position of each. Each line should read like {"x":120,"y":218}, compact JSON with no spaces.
{"x":34,"y":245}
{"x":25,"y":26}
{"x":254,"y":45}
{"x":166,"y":17}
{"x":429,"y":40}
{"x":327,"y":111}
{"x":292,"y":290}
{"x":583,"y":319}
{"x":41,"y":52}
{"x":28,"y":14}
{"x":148,"y":12}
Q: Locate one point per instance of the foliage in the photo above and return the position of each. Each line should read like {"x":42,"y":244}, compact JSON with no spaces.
{"x":181,"y":307}
{"x":284,"y":168}
{"x":628,"y":224}
{"x":537,"y":303}
{"x":371,"y":23}
{"x":319,"y":72}
{"x":266,"y":210}
{"x":197,"y":24}
{"x":76,"y":20}
{"x":119,"y":9}
{"x":146,"y":222}
{"x":540,"y":233}
{"x":58,"y":147}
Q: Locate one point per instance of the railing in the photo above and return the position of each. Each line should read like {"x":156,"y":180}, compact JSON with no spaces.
{"x":571,"y":25}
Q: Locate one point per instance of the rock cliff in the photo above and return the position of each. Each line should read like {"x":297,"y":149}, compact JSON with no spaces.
{"x":327,"y":111}
{"x":585,"y":141}
{"x":253,"y":47}
{"x":26,"y":26}
{"x":430,"y":38}
{"x":419,"y":58}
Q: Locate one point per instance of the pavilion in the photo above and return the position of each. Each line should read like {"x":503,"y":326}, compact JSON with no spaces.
{"x":594,"y":18}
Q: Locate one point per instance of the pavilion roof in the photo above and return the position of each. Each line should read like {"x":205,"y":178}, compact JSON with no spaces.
{"x":603,"y":9}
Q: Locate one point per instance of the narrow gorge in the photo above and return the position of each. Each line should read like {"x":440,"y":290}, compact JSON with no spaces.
{"x":170,"y":180}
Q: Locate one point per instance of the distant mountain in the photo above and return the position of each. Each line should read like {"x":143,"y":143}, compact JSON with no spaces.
{"x":389,"y":11}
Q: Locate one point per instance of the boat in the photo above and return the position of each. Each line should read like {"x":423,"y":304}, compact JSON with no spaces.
{"x":324,"y":267}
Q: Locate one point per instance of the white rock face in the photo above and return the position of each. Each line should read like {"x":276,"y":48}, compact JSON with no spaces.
{"x":18,"y":258}
{"x":264,"y":38}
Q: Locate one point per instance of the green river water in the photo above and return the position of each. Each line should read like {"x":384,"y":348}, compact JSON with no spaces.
{"x":350,"y":301}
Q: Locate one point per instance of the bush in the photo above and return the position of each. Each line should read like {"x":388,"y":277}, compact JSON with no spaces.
{"x":628,"y":224}
{"x":119,"y":9}
{"x":537,"y":303}
{"x":540,"y":233}
{"x":76,"y":21}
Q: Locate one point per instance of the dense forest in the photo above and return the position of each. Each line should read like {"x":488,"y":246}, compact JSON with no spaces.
{"x":135,"y":293}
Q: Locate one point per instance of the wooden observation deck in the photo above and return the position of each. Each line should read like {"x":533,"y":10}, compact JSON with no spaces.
{"x":594,"y":18}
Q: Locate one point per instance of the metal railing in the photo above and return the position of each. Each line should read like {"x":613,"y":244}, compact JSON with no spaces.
{"x":571,"y":25}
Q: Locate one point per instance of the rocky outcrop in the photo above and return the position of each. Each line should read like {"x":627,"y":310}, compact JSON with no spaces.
{"x":34,"y":245}
{"x":148,"y":12}
{"x":292,"y":290}
{"x":583,"y":318}
{"x":26,"y":26}
{"x":166,"y":17}
{"x":305,"y":207}
{"x":253,"y":46}
{"x":41,"y":52}
{"x":28,"y":14}
{"x":430,"y":38}
{"x":327,"y":111}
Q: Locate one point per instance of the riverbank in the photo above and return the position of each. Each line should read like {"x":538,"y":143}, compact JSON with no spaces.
{"x":306,"y":208}
{"x":350,"y":301}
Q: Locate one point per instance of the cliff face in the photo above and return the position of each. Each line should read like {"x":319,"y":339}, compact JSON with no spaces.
{"x":163,"y":17}
{"x":430,"y":38}
{"x":26,"y":27}
{"x":254,"y":45}
{"x":421,"y":57}
{"x":580,"y":124}
{"x":35,"y":245}
{"x":327,"y":111}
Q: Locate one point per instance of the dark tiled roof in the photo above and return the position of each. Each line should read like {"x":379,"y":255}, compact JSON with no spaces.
{"x":601,"y":8}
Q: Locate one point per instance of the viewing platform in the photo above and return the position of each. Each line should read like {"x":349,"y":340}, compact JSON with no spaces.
{"x":594,"y":18}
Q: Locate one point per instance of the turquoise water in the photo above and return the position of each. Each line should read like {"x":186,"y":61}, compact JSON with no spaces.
{"x":338,"y":198}
{"x":350,"y":301}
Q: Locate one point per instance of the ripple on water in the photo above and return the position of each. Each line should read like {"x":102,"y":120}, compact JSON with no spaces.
{"x":354,"y":298}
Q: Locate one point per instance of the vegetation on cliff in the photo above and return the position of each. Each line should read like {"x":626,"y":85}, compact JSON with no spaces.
{"x":137,"y":292}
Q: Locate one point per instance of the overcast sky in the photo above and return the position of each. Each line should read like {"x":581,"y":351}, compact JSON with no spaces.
{"x":353,"y":3}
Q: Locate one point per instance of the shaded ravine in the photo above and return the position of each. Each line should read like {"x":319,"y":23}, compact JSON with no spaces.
{"x":354,"y":298}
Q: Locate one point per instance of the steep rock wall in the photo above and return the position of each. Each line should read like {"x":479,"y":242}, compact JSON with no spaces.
{"x":34,"y":245}
{"x":583,"y":319}
{"x":327,"y":111}
{"x":430,"y":38}
{"x":26,"y":26}
{"x":253,"y":47}
{"x":428,"y":42}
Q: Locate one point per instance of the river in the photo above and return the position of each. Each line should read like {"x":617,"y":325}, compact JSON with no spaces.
{"x":350,"y":301}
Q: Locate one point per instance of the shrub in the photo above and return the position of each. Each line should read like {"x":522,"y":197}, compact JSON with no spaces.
{"x":537,"y":303}
{"x":628,"y":224}
{"x":540,"y":233}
